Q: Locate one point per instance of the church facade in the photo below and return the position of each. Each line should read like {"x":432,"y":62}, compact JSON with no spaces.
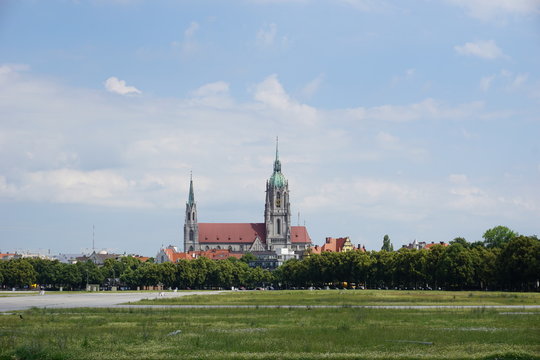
{"x":274,"y":234}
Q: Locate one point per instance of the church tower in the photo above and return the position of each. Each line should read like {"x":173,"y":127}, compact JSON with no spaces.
{"x":191,"y":228}
{"x":277,"y":212}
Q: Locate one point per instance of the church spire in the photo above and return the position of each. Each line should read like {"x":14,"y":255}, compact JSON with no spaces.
{"x":277,"y":163}
{"x":191,"y":200}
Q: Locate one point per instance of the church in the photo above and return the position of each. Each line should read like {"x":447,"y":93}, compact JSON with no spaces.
{"x":275,"y":234}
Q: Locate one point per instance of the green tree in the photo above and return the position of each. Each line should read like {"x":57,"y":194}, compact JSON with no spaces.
{"x":519,"y":263}
{"x":113,"y":268}
{"x":19,"y":273}
{"x":90,"y":273}
{"x":462,"y":241}
{"x":484,"y":263}
{"x":2,"y":272}
{"x":434,"y":268}
{"x":185,"y":274}
{"x":383,"y":269}
{"x":167,"y":273}
{"x":131,"y":278}
{"x":46,"y":270}
{"x":387,"y":245}
{"x":148,"y":274}
{"x":247,"y":257}
{"x":69,"y":276}
{"x":361,"y":270}
{"x":498,"y":236}
{"x":457,"y":267}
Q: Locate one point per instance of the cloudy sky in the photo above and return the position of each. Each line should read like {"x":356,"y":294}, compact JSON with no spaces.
{"x":417,"y":119}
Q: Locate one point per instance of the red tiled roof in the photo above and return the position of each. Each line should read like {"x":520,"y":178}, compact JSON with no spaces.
{"x":299,"y":234}
{"x":231,"y":232}
{"x":428,"y":246}
{"x":141,"y":258}
{"x":218,"y":254}
{"x":331,"y":245}
{"x":213,"y":254}
{"x":244,"y":233}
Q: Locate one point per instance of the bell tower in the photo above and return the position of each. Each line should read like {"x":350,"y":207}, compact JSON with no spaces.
{"x":277,"y":212}
{"x":191,"y":227}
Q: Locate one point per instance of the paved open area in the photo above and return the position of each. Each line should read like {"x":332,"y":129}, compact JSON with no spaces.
{"x":12,"y":301}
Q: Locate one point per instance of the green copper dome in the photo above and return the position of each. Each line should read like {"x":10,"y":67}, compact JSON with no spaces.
{"x":277,"y":180}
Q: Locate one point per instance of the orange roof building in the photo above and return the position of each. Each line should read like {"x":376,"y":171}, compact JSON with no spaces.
{"x":335,"y":245}
{"x":171,"y":254}
{"x":8,"y":256}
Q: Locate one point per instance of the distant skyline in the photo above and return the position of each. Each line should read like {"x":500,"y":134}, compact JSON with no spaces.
{"x":417,"y":119}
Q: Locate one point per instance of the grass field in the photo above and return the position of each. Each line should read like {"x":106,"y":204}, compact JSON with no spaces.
{"x":354,"y":297}
{"x":344,"y":333}
{"x":284,"y":333}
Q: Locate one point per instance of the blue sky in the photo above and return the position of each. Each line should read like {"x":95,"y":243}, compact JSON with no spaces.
{"x":415,"y":119}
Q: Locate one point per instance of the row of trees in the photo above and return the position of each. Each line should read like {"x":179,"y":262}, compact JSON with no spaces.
{"x":130,"y":272}
{"x":507,"y":261}
{"x":514,"y":266}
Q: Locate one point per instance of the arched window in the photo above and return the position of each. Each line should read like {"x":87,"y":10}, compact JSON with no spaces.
{"x":207,"y":248}
{"x":230,"y":248}
{"x":278,"y":226}
{"x":189,"y":216}
{"x":193,"y":216}
{"x":218,"y":247}
{"x":191,"y":248}
{"x":191,"y":235}
{"x":278,"y":199}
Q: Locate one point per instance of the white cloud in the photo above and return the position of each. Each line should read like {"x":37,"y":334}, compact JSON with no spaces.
{"x":312,"y":87}
{"x":271,"y":93}
{"x":62,"y":144}
{"x":9,"y":69}
{"x":212,"y":89}
{"x":485,"y":82}
{"x":189,"y":44}
{"x":407,"y":75}
{"x":519,"y":80}
{"x":267,"y":38}
{"x":115,"y":85}
{"x":367,"y":5}
{"x":426,"y":109}
{"x":482,"y":49}
{"x":509,"y":80}
{"x":191,"y":30}
{"x":496,"y":9}
{"x":387,"y":140}
{"x":373,"y":198}
{"x":458,"y":178}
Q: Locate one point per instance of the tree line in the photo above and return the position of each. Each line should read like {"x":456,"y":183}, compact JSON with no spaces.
{"x":505,"y":260}
{"x":459,"y":266}
{"x":130,"y":273}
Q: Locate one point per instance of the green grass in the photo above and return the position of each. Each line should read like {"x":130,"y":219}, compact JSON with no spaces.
{"x":354,"y":297}
{"x":262,"y":333}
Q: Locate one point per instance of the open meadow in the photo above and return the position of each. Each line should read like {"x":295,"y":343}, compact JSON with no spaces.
{"x":279,"y":333}
{"x":354,"y":297}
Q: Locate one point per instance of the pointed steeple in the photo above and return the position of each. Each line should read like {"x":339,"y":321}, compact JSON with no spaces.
{"x":277,"y":163}
{"x":277,"y":179}
{"x":191,"y":200}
